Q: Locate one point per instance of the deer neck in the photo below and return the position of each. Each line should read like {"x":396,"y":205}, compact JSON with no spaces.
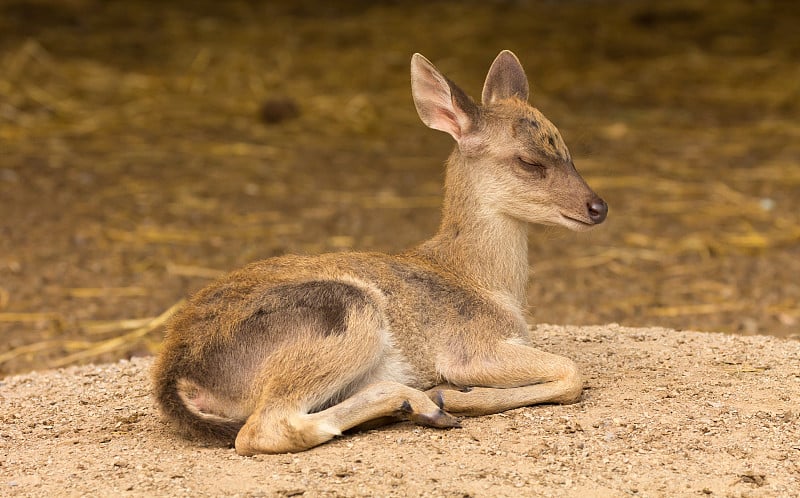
{"x":475,"y":241}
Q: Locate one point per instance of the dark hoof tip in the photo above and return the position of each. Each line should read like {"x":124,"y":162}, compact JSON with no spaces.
{"x":439,"y":420}
{"x":465,"y":389}
{"x":452,"y":422}
{"x":406,"y":407}
{"x":444,"y":420}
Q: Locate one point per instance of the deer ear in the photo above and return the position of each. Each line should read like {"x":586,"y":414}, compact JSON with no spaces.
{"x":440,"y":103}
{"x":506,"y":79}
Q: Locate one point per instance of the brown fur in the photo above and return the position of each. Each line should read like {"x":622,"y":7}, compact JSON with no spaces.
{"x":289,"y":352}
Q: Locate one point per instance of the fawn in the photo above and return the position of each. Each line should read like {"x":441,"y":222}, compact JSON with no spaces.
{"x":287,"y":353}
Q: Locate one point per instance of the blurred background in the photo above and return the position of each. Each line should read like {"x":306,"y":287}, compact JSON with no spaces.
{"x":148,"y":146}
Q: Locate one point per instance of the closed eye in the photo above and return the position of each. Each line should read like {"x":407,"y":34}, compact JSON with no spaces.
{"x":534,"y":167}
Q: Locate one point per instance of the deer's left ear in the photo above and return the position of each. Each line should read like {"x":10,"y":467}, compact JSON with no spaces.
{"x":506,"y":79}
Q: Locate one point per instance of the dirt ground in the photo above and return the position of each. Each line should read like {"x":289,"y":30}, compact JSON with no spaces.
{"x":664,"y":414}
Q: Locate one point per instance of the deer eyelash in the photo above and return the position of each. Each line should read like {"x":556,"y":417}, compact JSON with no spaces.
{"x":533,"y":166}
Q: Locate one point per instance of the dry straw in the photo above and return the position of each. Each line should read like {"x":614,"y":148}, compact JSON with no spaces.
{"x":82,"y":351}
{"x":673,"y":218}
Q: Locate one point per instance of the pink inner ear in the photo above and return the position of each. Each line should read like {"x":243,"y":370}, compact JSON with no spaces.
{"x":434,"y":101}
{"x":449,"y":122}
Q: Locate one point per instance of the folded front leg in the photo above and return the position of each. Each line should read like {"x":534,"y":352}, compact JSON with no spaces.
{"x":509,"y":376}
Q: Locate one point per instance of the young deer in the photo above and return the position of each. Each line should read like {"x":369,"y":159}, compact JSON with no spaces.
{"x":289,"y":352}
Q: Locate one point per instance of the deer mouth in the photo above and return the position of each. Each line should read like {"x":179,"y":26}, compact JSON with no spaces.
{"x":571,"y":220}
{"x":576,"y":224}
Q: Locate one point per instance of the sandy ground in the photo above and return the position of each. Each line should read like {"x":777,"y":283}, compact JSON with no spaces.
{"x":664,"y":413}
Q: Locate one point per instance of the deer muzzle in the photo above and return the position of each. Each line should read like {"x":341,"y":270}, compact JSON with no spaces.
{"x":597,"y":209}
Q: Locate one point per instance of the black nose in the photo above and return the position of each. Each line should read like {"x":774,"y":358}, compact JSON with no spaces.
{"x":598,"y":209}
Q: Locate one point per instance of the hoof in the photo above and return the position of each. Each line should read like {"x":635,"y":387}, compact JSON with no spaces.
{"x":440,"y":420}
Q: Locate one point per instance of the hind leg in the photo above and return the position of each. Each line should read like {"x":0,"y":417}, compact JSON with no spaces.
{"x":276,"y":430}
{"x":340,"y":386}
{"x":325,"y":380}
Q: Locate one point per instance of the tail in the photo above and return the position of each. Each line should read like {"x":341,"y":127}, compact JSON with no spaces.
{"x":166,"y":380}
